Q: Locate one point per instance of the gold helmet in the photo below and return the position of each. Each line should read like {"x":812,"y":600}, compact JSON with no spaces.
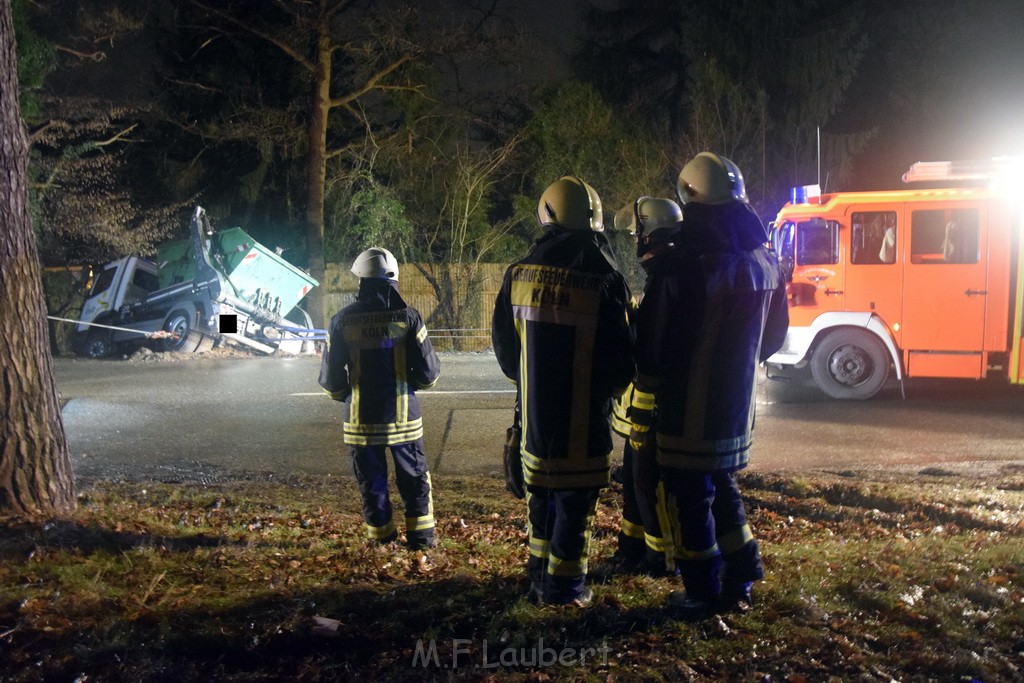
{"x":709,"y":178}
{"x":377,"y":263}
{"x":571,"y":203}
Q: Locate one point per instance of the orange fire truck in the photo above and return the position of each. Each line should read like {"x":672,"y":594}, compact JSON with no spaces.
{"x":914,"y":283}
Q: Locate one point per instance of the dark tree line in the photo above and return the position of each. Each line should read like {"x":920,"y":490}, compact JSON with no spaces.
{"x":320,"y":125}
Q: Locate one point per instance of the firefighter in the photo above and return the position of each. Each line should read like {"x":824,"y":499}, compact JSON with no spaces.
{"x":561,"y":333}
{"x":714,"y":306}
{"x":645,"y":539}
{"x":378,"y":355}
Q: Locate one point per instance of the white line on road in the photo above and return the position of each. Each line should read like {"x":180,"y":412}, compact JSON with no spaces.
{"x":445,"y":391}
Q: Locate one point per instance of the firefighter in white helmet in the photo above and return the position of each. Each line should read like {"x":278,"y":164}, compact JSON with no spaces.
{"x":378,"y":354}
{"x":714,"y":306}
{"x":645,"y":538}
{"x":561,"y":333}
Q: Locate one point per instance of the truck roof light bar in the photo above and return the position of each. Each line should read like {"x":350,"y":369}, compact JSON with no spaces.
{"x":979,"y":169}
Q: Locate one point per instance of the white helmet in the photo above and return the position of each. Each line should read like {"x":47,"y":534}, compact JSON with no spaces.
{"x":571,"y":203}
{"x":377,"y":263}
{"x":709,"y":178}
{"x":650,"y":217}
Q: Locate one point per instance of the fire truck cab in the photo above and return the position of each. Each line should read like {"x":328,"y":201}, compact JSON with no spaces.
{"x":910,"y":283}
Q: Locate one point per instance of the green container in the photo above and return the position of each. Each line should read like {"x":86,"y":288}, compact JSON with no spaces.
{"x":248,"y":266}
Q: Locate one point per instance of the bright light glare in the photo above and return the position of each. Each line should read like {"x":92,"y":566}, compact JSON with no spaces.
{"x":1009,"y":178}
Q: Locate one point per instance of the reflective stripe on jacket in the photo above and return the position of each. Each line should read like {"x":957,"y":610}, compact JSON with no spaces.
{"x":378,"y":354}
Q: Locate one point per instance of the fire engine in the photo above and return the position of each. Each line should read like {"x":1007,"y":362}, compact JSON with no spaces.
{"x":905,"y":283}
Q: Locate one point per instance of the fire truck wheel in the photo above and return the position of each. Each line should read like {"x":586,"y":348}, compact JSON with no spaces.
{"x":849,"y":364}
{"x":186,"y":339}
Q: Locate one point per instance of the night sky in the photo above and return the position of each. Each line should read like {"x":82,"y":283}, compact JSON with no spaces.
{"x":972,"y":87}
{"x":974,"y":92}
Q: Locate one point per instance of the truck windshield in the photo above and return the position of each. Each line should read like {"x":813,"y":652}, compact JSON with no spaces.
{"x":103,"y":282}
{"x":817,"y":242}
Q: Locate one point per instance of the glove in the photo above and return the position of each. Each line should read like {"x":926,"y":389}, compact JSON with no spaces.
{"x":513,"y":461}
{"x":638,"y":437}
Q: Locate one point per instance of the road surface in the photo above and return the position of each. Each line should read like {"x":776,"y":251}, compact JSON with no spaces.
{"x":209,"y":420}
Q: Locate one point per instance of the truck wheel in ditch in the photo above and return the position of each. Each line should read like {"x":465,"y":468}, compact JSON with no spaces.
{"x":97,"y":345}
{"x":850,"y":364}
{"x":179,"y":323}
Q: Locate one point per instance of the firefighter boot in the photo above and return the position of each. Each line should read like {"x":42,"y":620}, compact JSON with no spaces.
{"x":536,"y":570}
{"x":703,"y":587}
{"x":569,"y":592}
{"x":740,"y":570}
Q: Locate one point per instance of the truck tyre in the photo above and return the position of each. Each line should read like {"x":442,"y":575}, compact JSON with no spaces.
{"x":180,"y":323}
{"x":97,"y":345}
{"x":849,"y":364}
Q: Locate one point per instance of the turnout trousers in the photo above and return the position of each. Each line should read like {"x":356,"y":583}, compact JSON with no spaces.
{"x":561,"y":522}
{"x":645,"y":535}
{"x":413,"y":479}
{"x":714,"y":546}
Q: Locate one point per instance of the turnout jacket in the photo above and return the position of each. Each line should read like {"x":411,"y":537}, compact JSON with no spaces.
{"x":561,"y":333}
{"x":378,"y":354}
{"x":714,"y":306}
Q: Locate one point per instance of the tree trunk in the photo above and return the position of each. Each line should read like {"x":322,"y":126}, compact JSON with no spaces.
{"x":35,"y":464}
{"x":316,"y":170}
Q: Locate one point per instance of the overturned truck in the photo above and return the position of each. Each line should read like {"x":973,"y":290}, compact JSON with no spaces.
{"x":213,"y":288}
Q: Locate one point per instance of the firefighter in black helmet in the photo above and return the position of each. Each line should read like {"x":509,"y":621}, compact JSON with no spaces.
{"x":714,"y":306}
{"x":378,"y":354}
{"x":561,"y":333}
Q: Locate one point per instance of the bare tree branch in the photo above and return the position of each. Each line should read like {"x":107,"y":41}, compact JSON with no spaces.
{"x":371,"y":84}
{"x":118,"y":137}
{"x":37,"y":133}
{"x":97,"y":56}
{"x":193,"y":84}
{"x":288,"y":49}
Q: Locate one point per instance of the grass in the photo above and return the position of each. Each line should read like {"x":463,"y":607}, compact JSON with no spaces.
{"x":871,"y":576}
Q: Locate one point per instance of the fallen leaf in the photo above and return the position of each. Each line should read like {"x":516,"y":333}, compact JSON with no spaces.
{"x":325,"y":626}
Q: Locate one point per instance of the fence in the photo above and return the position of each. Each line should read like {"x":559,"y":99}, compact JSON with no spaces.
{"x":479,"y":293}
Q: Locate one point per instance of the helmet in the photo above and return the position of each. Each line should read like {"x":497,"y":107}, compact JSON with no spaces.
{"x":571,"y":203}
{"x":376,"y":262}
{"x":710,"y":179}
{"x":650,"y":217}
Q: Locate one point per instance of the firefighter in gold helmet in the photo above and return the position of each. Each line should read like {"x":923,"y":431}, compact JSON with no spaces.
{"x":561,"y":333}
{"x":378,"y":354}
{"x":714,"y":306}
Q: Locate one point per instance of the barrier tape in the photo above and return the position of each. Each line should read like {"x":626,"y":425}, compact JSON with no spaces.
{"x":317,"y":334}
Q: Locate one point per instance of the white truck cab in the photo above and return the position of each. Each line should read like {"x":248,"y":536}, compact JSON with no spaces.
{"x":120,"y":282}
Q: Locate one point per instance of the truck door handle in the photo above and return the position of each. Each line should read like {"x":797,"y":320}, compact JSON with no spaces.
{"x":833,"y":291}
{"x":976,"y":292}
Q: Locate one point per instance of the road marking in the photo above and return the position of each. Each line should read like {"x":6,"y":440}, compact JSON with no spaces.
{"x":467,"y":391}
{"x":431,"y":391}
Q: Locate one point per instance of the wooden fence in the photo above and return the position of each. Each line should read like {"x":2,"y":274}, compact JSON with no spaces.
{"x":474,"y":333}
